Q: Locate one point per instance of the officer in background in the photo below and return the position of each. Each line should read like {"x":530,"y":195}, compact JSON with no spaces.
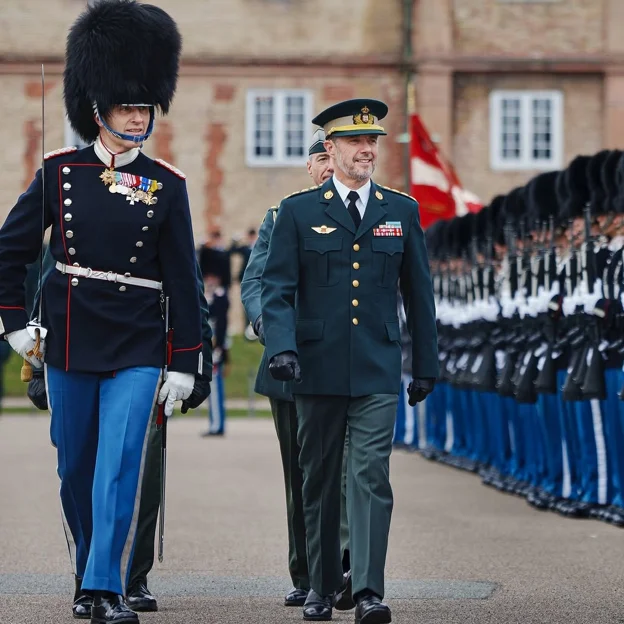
{"x":121,"y":237}
{"x":329,"y":293}
{"x":219,"y":305}
{"x":282,"y":403}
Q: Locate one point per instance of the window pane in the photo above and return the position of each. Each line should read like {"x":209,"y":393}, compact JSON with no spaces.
{"x":294,"y":126}
{"x":542,"y":138}
{"x":510,"y":129}
{"x":264,"y":120}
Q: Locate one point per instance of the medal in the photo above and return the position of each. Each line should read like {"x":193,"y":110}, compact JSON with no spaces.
{"x":135,"y":188}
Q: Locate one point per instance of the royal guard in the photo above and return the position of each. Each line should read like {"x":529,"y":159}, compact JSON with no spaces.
{"x":122,"y":245}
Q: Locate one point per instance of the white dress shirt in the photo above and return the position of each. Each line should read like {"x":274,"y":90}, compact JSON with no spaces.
{"x":363,"y":192}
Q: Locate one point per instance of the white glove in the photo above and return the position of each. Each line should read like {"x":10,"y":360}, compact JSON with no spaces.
{"x":177,"y":387}
{"x":22,"y":343}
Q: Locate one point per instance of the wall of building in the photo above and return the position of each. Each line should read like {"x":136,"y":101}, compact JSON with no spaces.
{"x":582,"y":129}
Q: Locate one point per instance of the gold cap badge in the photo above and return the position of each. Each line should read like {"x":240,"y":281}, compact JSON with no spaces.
{"x":364,"y":117}
{"x":328,"y":194}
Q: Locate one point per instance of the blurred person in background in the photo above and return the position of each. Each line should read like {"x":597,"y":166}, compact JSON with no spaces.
{"x":219,"y":305}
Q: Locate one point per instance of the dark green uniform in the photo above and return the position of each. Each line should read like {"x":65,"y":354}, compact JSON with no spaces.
{"x":329,"y":294}
{"x":284,"y":417}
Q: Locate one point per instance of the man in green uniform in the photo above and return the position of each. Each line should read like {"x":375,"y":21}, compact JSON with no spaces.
{"x":283,"y":409}
{"x":329,"y":292}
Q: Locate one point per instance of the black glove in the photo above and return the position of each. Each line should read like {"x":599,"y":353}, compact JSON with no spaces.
{"x":259,"y":330}
{"x":285,"y":367}
{"x":419,"y":389}
{"x":201,"y":391}
{"x":37,"y":390}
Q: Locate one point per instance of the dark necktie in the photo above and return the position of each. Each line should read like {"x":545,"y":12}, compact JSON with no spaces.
{"x":352,"y":208}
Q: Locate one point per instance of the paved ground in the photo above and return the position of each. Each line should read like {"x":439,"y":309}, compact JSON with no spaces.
{"x":459,"y":552}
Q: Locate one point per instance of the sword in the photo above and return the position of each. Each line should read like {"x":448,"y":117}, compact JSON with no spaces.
{"x":35,"y":330}
{"x":161,"y":421}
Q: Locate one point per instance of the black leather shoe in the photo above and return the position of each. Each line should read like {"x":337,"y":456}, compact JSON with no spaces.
{"x":344,"y":598}
{"x":81,"y":609}
{"x":139,"y":597}
{"x":295,"y":597}
{"x":370,"y":610}
{"x":110,"y":608}
{"x":318,"y":608}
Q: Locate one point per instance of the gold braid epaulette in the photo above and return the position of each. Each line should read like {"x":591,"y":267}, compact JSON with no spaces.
{"x":305,"y":190}
{"x":397,"y":192}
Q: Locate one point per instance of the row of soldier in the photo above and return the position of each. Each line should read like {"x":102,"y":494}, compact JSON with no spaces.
{"x":530,"y":317}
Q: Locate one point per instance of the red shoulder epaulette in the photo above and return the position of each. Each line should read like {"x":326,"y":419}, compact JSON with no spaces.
{"x":174,"y":170}
{"x":60,"y":152}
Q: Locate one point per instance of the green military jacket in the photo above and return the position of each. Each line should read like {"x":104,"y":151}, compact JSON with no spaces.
{"x":250,"y":295}
{"x":329,"y":292}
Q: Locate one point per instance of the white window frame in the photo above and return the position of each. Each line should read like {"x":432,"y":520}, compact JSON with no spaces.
{"x":279,"y":158}
{"x":526,"y":161}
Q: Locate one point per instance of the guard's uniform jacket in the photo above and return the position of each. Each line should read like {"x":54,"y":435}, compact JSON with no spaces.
{"x":344,"y":325}
{"x":104,"y":231}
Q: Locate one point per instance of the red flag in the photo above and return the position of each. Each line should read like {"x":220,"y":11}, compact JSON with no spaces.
{"x":434,"y":182}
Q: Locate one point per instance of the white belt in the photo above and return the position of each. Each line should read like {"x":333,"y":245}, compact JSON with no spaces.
{"x":108,"y":276}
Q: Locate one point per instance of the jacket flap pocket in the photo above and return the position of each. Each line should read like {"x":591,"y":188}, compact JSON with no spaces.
{"x":389,"y":245}
{"x":309,"y":330}
{"x":393,"y":331}
{"x":323,"y":244}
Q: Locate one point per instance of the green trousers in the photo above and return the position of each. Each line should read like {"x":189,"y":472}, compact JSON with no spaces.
{"x":143,"y":558}
{"x":322,"y":427}
{"x":285,"y":419}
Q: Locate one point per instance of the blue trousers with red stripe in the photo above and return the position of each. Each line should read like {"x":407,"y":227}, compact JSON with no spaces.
{"x":100,"y":426}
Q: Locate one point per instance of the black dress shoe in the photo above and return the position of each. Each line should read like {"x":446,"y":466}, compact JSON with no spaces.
{"x":110,"y":608}
{"x":344,"y":598}
{"x":295,"y":597}
{"x":370,"y":610}
{"x":139,"y":597}
{"x":81,"y":609}
{"x":318,"y":608}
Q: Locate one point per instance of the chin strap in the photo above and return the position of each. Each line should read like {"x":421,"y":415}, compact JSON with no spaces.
{"x":128,"y":137}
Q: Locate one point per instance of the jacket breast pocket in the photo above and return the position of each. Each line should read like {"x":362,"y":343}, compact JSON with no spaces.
{"x":387,"y":257}
{"x":322,"y":259}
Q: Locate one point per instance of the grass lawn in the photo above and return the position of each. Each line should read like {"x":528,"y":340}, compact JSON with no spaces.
{"x":244,"y":360}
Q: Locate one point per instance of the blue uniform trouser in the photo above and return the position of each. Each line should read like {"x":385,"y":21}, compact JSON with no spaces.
{"x":100,"y":427}
{"x":435,"y":423}
{"x":614,"y":436}
{"x":216,"y":408}
{"x":592,"y":448}
{"x":571,"y":453}
{"x":549,"y":423}
{"x":498,"y":437}
{"x":406,"y":425}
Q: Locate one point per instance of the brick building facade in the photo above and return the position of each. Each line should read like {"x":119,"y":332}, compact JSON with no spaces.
{"x":509,"y":87}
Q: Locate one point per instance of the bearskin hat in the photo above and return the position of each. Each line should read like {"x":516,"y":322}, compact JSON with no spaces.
{"x":574,"y":188}
{"x":119,"y":52}
{"x":594,"y":181}
{"x":608,"y":178}
{"x":541,"y":196}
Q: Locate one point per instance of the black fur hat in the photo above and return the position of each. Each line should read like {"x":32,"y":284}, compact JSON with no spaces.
{"x":541,"y":195}
{"x":573,"y":188}
{"x":119,"y":52}
{"x":594,"y":181}
{"x":608,"y":178}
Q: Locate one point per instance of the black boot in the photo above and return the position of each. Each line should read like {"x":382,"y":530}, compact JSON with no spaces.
{"x":109,"y":608}
{"x":81,"y":609}
{"x":370,"y":610}
{"x":295,"y":597}
{"x":139,"y":598}
{"x":318,"y":608}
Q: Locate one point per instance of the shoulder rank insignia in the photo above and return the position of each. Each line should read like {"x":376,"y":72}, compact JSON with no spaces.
{"x":398,"y":192}
{"x":323,"y":229}
{"x":60,"y":152}
{"x":305,"y":190}
{"x":174,"y":170}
